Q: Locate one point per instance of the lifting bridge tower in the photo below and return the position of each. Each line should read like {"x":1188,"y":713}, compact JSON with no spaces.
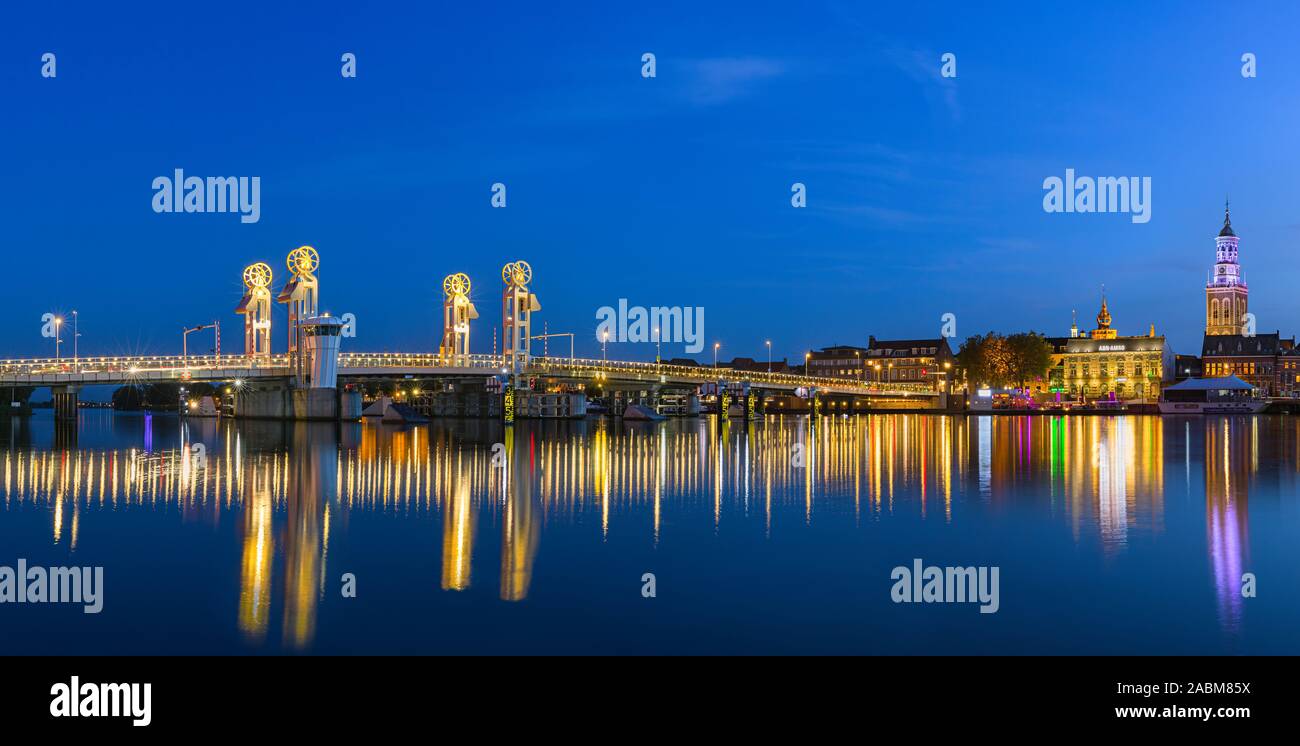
{"x":517,"y":307}
{"x":255,"y":307}
{"x":300,"y":293}
{"x":457,"y":312}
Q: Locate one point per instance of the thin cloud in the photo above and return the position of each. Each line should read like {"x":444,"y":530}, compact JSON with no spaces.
{"x":721,"y":79}
{"x":924,"y":66}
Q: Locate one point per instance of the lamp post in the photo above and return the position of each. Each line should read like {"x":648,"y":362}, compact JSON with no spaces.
{"x":658,"y":346}
{"x":769,"y":356}
{"x":75,"y":334}
{"x":604,"y":339}
{"x":716,"y":345}
{"x":806,"y":357}
{"x":857,"y":357}
{"x":58,"y":326}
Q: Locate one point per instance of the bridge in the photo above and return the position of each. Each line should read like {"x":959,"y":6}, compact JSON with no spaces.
{"x":315,"y":362}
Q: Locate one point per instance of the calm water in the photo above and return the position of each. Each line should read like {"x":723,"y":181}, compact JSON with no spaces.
{"x":1112,"y":535}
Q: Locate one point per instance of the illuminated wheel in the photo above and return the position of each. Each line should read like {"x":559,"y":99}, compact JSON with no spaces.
{"x":303,"y":260}
{"x":257,"y":275}
{"x":523,"y":273}
{"x":457,"y":284}
{"x":508,"y":273}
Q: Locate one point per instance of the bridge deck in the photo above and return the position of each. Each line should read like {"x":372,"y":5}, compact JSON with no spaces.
{"x":143,"y":369}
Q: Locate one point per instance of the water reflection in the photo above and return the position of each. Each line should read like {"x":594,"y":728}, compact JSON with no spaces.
{"x":288,"y":487}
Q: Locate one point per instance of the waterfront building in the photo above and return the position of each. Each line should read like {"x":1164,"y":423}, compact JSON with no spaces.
{"x":1265,"y":361}
{"x":1225,"y":291}
{"x":838,"y":361}
{"x":1231,"y":347}
{"x":1105,"y":365}
{"x":909,"y":360}
{"x":1288,"y":370}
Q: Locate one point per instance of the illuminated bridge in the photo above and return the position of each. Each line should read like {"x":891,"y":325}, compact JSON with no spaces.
{"x":90,"y":371}
{"x":303,"y":382}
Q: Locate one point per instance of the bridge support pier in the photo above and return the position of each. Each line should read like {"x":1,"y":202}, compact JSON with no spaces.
{"x":15,"y":401}
{"x":65,"y":402}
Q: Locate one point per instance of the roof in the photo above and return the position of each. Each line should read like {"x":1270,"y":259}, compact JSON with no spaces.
{"x":286,"y":294}
{"x":838,"y":350}
{"x":1231,"y":383}
{"x":940,"y":343}
{"x":1226,"y":345}
{"x":1227,"y":226}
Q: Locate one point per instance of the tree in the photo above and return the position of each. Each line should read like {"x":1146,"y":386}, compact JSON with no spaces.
{"x":1030,"y":357}
{"x":162,"y":396}
{"x":986,"y":359}
{"x":996,"y":360}
{"x":128,"y":398}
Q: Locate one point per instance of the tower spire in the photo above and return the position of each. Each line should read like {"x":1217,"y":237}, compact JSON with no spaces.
{"x":1227,"y":219}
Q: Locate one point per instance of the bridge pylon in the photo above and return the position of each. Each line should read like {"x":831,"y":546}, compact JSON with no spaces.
{"x":301,"y":294}
{"x":517,"y":307}
{"x":457,"y":312}
{"x":255,"y":307}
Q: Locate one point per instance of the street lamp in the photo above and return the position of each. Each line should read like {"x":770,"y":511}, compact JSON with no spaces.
{"x":604,"y":339}
{"x":858,"y":357}
{"x":58,"y":325}
{"x":658,"y":346}
{"x":769,"y":356}
{"x":716,"y":345}
{"x":75,"y":334}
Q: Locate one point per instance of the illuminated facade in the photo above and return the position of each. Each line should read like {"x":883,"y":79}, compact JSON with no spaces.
{"x":1226,"y":291}
{"x":909,"y":360}
{"x":1106,"y":365}
{"x":1265,"y":361}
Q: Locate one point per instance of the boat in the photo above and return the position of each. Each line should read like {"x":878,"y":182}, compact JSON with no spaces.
{"x":1225,"y":395}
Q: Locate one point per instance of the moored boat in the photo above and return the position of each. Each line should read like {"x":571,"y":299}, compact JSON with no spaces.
{"x":1226,"y":395}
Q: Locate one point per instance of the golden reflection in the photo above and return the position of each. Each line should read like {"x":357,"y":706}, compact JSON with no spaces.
{"x":458,"y":538}
{"x":291,"y":489}
{"x":520,"y":526}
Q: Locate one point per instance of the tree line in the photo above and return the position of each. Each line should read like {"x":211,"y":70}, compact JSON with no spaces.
{"x":162,"y":396}
{"x":1005,"y":360}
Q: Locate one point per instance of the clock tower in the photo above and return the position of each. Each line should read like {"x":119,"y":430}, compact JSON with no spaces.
{"x":1225,"y":293}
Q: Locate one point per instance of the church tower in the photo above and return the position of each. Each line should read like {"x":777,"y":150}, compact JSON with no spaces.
{"x":1225,"y":293}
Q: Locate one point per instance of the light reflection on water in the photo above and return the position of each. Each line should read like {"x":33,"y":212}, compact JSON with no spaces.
{"x":866,"y":489}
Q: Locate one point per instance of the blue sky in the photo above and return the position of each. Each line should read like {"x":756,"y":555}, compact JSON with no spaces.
{"x":924,"y":193}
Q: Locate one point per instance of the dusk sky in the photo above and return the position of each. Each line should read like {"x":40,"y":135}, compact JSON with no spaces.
{"x":925,"y":194}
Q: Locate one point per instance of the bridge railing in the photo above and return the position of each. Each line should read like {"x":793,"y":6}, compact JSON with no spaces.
{"x":131,"y":364}
{"x":415,"y":360}
{"x":181,"y":364}
{"x":704,"y":373}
